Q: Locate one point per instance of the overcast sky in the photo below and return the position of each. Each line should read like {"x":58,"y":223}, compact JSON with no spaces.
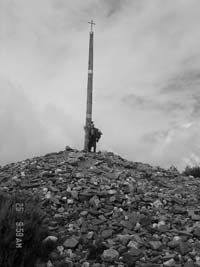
{"x":146,"y":78}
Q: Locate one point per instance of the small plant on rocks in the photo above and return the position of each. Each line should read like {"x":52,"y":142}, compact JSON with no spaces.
{"x":21,"y":230}
{"x":194,"y":171}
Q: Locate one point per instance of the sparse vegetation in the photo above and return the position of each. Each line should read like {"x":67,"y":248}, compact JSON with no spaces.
{"x":21,"y":230}
{"x":194,"y":171}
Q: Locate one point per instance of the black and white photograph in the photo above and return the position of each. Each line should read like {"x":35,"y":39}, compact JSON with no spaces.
{"x":99,"y":133}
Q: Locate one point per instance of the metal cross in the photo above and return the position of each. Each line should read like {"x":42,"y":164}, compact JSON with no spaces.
{"x":92,"y":23}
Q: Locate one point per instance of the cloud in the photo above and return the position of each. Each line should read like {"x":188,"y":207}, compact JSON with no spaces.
{"x":183,"y":82}
{"x":115,"y":6}
{"x":154,"y":103}
{"x":196,"y":107}
{"x":27,"y":131}
{"x":22,"y":134}
{"x":178,"y":146}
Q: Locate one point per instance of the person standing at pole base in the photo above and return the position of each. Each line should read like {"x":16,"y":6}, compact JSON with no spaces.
{"x":94,"y":136}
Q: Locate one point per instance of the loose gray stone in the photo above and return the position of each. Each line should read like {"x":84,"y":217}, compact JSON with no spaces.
{"x":70,"y":243}
{"x":110,"y":255}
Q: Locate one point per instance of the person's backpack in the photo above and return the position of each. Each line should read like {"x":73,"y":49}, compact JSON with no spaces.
{"x":98,"y":134}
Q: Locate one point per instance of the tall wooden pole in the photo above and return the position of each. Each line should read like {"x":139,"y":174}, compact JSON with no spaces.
{"x":89,"y":89}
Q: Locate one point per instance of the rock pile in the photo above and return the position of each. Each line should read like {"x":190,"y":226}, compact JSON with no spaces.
{"x":107,"y":211}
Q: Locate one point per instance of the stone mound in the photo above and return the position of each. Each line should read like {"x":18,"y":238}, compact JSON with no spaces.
{"x":103,"y":210}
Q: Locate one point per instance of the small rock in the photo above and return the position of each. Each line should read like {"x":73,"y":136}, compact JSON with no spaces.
{"x":197,"y":260}
{"x":61,"y":210}
{"x":107,"y":233}
{"x":184,"y":248}
{"x":197,"y":232}
{"x":129,"y":259}
{"x":155,"y":245}
{"x":70,"y":201}
{"x":132,"y":244}
{"x":57,"y":171}
{"x":189,"y":264}
{"x":84,"y":213}
{"x":86,"y":264}
{"x":70,"y":243}
{"x":68,"y":148}
{"x":60,"y":249}
{"x":49,"y":264}
{"x":95,"y":201}
{"x":110,"y":255}
{"x":90,"y":235}
{"x":135,"y":251}
{"x":48,"y":195}
{"x":175,"y":242}
{"x":50,"y":238}
{"x":74,"y":194}
{"x":112,"y":192}
{"x":124,"y":239}
{"x":68,"y":262}
{"x":170,"y":262}
{"x":157,"y":203}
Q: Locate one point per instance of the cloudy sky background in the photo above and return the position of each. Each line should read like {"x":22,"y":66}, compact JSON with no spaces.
{"x":146,"y":78}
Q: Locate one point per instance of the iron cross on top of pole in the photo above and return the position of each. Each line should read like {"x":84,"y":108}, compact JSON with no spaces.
{"x":92,"y":23}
